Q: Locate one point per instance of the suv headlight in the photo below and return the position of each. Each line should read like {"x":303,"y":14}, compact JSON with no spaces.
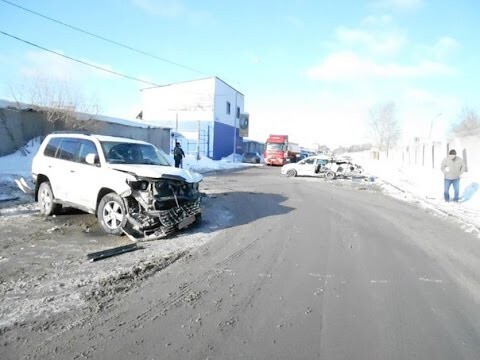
{"x":139,"y":185}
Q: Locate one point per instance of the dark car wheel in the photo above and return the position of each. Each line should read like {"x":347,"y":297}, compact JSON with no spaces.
{"x":291,"y":173}
{"x":111,"y":214}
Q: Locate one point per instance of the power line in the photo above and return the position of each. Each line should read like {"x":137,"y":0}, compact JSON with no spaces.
{"x":79,"y":61}
{"x":104,"y":38}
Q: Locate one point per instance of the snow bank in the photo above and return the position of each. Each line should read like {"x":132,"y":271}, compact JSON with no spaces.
{"x":204,"y":164}
{"x":20,"y":162}
{"x":425,"y":186}
{"x":14,"y":166}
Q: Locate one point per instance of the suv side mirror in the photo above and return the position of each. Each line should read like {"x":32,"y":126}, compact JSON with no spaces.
{"x":92,"y":159}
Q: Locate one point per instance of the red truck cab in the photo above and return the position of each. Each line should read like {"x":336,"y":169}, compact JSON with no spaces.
{"x":276,"y":150}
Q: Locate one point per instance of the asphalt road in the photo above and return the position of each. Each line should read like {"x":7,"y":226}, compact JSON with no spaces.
{"x":308,"y":270}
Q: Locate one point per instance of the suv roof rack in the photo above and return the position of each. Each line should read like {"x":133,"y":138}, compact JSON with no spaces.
{"x":71,"y":132}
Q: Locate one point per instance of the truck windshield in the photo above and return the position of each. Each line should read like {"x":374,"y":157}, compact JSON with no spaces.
{"x":133,"y":153}
{"x":275,"y":147}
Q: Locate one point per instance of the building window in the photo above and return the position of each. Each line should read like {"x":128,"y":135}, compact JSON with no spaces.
{"x":228,"y":108}
{"x":238,"y":112}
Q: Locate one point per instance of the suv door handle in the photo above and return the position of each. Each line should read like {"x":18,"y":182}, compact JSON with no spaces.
{"x":72,"y":171}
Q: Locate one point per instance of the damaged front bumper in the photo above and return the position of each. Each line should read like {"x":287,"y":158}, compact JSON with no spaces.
{"x":159,"y":207}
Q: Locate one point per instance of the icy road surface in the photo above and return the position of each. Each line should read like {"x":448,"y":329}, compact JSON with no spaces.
{"x":303,"y":269}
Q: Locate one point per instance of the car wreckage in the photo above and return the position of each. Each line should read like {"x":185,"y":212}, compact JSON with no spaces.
{"x":322,"y":166}
{"x":128,"y":184}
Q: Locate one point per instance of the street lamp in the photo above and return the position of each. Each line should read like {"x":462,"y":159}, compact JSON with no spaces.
{"x":431,"y":124}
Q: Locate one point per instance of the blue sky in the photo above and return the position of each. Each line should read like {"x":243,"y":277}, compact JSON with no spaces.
{"x":311,"y":69}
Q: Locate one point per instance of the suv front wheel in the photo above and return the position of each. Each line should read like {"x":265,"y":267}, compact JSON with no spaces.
{"x":111,"y":214}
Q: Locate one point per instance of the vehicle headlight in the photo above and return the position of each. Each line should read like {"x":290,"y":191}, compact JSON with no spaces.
{"x":139,"y":185}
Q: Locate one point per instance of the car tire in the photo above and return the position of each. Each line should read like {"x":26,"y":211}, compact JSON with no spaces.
{"x":198,"y":220}
{"x":112,"y":214}
{"x":46,"y":200}
{"x":330,"y":175}
{"x":291,"y":173}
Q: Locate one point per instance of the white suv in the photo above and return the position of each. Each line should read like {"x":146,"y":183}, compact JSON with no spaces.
{"x":128,"y":184}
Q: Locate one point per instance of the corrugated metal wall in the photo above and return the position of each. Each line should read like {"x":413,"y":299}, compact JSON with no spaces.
{"x":19,"y":126}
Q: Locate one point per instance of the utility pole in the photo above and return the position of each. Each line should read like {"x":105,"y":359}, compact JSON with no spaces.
{"x":235,"y":129}
{"x":198,"y":141}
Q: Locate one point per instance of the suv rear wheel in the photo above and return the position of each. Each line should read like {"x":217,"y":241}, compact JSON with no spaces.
{"x":111,"y":214}
{"x":46,"y":200}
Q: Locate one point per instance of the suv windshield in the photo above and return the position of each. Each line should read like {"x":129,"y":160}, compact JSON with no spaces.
{"x":133,"y":153}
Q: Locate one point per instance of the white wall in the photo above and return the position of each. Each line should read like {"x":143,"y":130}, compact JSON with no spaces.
{"x":471,"y":145}
{"x":224,"y":93}
{"x":191,"y":101}
{"x":436,"y":151}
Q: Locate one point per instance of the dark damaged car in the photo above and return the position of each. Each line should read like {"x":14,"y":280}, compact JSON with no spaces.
{"x":128,"y":184}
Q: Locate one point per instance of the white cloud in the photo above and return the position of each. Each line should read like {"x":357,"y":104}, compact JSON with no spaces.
{"x":40,"y":63}
{"x":427,"y":113}
{"x":166,"y":8}
{"x":174,"y":9}
{"x":445,"y":46}
{"x":252,"y":58}
{"x":316,"y":118}
{"x":374,"y":20}
{"x":345,"y":66}
{"x":401,"y":5}
{"x":295,"y":22}
{"x":386,"y":42}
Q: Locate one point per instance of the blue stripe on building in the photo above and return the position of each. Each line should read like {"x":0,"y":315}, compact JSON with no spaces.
{"x":223,"y":141}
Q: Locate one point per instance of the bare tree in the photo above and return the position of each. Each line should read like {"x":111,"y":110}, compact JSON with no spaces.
{"x":468,"y":122}
{"x":384,"y":125}
{"x":62,"y":104}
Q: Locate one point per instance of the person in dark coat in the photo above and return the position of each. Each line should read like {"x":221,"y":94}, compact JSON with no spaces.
{"x":178,"y":155}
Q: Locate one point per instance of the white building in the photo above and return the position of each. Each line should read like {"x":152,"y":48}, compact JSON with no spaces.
{"x":204,"y":115}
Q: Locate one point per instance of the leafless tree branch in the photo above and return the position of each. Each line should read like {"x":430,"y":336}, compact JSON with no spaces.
{"x":384,"y":126}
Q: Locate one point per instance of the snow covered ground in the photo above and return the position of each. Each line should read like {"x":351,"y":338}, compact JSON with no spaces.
{"x":60,"y":278}
{"x":424,"y":186}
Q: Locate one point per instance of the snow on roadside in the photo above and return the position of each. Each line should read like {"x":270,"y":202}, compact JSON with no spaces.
{"x":425,"y":186}
{"x":204,"y":164}
{"x":15,"y":166}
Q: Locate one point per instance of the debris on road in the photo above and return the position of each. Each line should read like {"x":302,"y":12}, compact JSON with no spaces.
{"x":103,"y":254}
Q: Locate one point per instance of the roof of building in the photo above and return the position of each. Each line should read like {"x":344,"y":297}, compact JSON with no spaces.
{"x":6,"y":104}
{"x":189,"y":81}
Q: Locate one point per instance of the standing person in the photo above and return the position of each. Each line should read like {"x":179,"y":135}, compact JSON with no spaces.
{"x":452,"y":167}
{"x":178,"y":155}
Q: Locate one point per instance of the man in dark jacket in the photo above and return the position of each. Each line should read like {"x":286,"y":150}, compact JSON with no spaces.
{"x":452,"y":167}
{"x":178,"y":155}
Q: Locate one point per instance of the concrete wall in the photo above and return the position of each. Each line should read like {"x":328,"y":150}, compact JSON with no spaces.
{"x":223,"y":94}
{"x":431,"y":154}
{"x":160,"y":137}
{"x":187,"y":101}
{"x":17,"y":127}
